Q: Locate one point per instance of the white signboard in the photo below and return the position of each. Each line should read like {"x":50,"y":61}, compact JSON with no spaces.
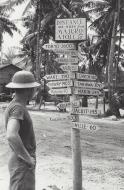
{"x":85,"y":111}
{"x":72,"y":53}
{"x":58,"y":84}
{"x":67,"y":60}
{"x":59,"y":76}
{"x":76,"y":103}
{"x":86,"y":84}
{"x":69,"y":67}
{"x":59,"y":46}
{"x":63,"y":105}
{"x":86,"y":76}
{"x":60,"y":91}
{"x":85,"y":126}
{"x":70,"y":29}
{"x":83,"y":91}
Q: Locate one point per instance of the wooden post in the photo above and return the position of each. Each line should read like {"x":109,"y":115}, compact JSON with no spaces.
{"x":76,"y":157}
{"x":76,"y":150}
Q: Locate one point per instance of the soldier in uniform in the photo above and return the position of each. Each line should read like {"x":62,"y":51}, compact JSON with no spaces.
{"x":20,"y":133}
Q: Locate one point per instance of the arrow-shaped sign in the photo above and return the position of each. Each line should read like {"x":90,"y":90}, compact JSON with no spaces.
{"x":85,"y":111}
{"x":67,"y":60}
{"x":59,"y":46}
{"x":58,"y":84}
{"x":59,"y":76}
{"x":86,"y":76}
{"x":72,"y":53}
{"x":83,"y":91}
{"x":85,"y":126}
{"x":60,"y":91}
{"x":86,"y":84}
{"x":69,"y":67}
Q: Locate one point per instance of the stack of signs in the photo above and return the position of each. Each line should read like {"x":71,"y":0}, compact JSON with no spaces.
{"x":86,"y":85}
{"x":60,"y":84}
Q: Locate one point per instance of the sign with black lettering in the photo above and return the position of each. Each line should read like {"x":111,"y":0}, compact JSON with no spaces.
{"x":70,"y":29}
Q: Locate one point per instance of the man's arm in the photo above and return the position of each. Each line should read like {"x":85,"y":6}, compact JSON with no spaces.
{"x":15,"y":141}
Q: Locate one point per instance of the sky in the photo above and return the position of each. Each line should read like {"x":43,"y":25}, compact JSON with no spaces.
{"x":9,"y":41}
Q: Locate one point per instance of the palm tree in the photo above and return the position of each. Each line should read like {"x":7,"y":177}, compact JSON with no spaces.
{"x":109,"y":19}
{"x":6,"y":26}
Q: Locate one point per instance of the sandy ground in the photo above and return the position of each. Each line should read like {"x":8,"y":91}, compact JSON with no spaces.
{"x":102,"y":152}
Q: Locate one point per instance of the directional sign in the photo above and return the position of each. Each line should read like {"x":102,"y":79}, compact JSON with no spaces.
{"x":76,"y":103}
{"x":85,"y":111}
{"x":67,"y":60}
{"x":63,"y":105}
{"x":72,"y":53}
{"x":58,"y":84}
{"x":60,"y":91}
{"x":86,"y":76}
{"x":70,"y":29}
{"x":83,"y":91}
{"x":59,"y":76}
{"x":69,"y":67}
{"x":86,"y":84}
{"x":59,"y":46}
{"x":85,"y":126}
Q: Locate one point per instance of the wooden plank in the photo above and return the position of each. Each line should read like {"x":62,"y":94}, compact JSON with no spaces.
{"x":96,"y":85}
{"x":72,"y":53}
{"x":59,"y":46}
{"x":89,"y":92}
{"x":86,"y":76}
{"x":59,"y":84}
{"x":59,"y":76}
{"x":85,"y":111}
{"x":69,"y":67}
{"x":71,"y":29}
{"x":86,"y":126}
{"x":67,"y":60}
{"x":60,"y":91}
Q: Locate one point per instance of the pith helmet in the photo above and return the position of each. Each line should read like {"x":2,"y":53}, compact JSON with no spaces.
{"x":23,"y":79}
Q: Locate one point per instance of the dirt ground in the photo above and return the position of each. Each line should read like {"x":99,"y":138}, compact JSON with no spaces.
{"x":102,"y":153}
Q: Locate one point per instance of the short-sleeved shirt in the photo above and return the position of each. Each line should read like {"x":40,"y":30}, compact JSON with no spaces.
{"x":18,"y":111}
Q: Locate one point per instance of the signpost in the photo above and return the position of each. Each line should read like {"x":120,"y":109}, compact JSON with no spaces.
{"x":69,"y":67}
{"x":72,"y":53}
{"x":71,"y":29}
{"x":86,"y":91}
{"x":67,"y":60}
{"x":59,"y":76}
{"x":59,"y":84}
{"x":85,"y":84}
{"x":60,"y":91}
{"x":59,"y":46}
{"x":85,"y":126}
{"x":85,"y":76}
{"x":85,"y":111}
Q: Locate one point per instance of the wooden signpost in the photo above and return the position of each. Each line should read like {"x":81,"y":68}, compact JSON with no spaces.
{"x":72,"y":53}
{"x":69,"y":67}
{"x":59,"y":84}
{"x":59,"y":76}
{"x":59,"y":46}
{"x":73,"y":29}
{"x":67,"y":60}
{"x":60,"y":91}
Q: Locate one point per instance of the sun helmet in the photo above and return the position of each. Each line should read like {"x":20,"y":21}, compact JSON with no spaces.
{"x":23,"y":79}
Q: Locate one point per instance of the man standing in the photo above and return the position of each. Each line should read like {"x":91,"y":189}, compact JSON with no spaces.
{"x":20,"y":133}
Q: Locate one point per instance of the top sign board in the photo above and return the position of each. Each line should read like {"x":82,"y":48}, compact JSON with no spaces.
{"x":70,"y":29}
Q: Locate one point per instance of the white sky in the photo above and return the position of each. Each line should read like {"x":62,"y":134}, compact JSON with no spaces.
{"x":9,"y":41}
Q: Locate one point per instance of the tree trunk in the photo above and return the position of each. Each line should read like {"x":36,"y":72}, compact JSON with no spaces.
{"x":38,"y":44}
{"x":111,"y":54}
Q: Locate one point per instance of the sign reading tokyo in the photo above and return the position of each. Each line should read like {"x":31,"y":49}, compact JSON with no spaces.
{"x":70,"y":29}
{"x":59,"y":46}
